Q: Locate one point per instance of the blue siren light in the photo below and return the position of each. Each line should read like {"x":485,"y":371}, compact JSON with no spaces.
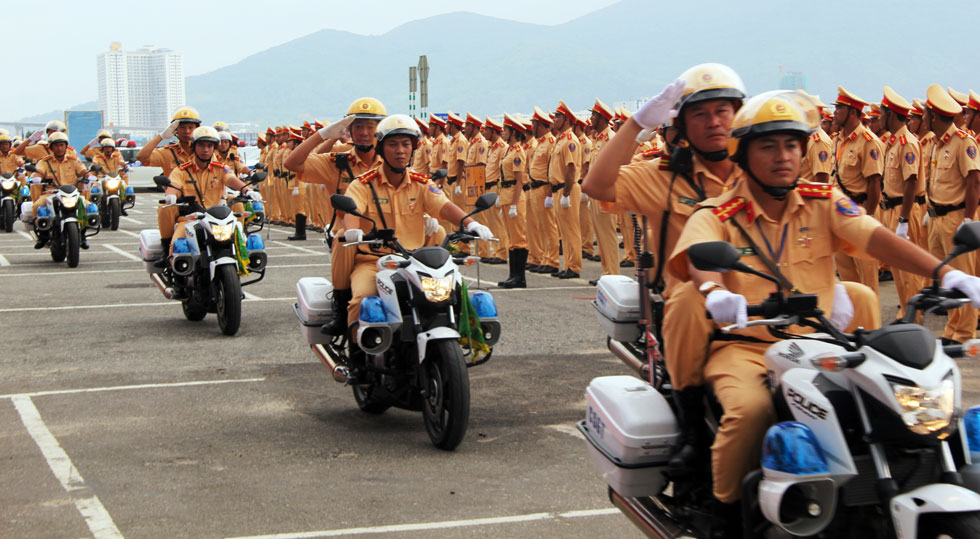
{"x":971,"y":421}
{"x":92,"y":208}
{"x":129,"y":190}
{"x":790,"y":447}
{"x":258,"y":206}
{"x":255,"y":243}
{"x":95,"y":190}
{"x":373,"y":310}
{"x":484,"y":305}
{"x":181,"y":246}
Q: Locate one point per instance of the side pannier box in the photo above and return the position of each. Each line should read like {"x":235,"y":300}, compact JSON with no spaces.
{"x":150,"y":248}
{"x":630,"y":430}
{"x":617,"y":305}
{"x":314,"y":307}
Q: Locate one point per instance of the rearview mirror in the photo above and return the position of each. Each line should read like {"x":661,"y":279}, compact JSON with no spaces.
{"x":343,"y":203}
{"x":486,"y":200}
{"x":718,"y":256}
{"x":439,"y":174}
{"x":257,"y":177}
{"x":967,"y":237}
{"x":162,"y":181}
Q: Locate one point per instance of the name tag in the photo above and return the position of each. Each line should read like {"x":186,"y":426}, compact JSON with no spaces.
{"x":687,"y":201}
{"x":746,"y":251}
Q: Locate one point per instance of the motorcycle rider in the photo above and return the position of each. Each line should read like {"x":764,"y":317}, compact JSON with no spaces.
{"x":111,"y":162}
{"x":9,"y":162}
{"x":794,"y":230}
{"x":34,"y":149}
{"x":396,"y":198}
{"x":55,"y":170}
{"x":93,"y":147}
{"x":225,"y":154}
{"x":204,"y":178}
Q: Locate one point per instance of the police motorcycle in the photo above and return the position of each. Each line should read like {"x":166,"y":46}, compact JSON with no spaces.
{"x":871,"y":439}
{"x":12,"y":196}
{"x":63,"y":222}
{"x":254,"y":214}
{"x":407,"y":350}
{"x":205,"y":270}
{"x":111,"y":195}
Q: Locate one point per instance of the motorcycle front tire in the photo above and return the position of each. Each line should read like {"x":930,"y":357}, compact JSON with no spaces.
{"x":228,"y":298}
{"x":194,"y":312}
{"x":446,"y":407}
{"x":115,"y":210}
{"x":73,"y":241}
{"x":955,"y":525}
{"x":365,"y":401}
{"x":8,"y":215}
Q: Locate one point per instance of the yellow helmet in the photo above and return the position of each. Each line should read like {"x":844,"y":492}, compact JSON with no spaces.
{"x":186,"y":115}
{"x":57,"y":136}
{"x":108,"y":143}
{"x":775,"y":112}
{"x":4,"y":132}
{"x":368,"y":108}
{"x":104,"y":133}
{"x":57,"y":125}
{"x":220,"y":126}
{"x":205,"y":133}
{"x":711,"y":81}
{"x":5,"y":137}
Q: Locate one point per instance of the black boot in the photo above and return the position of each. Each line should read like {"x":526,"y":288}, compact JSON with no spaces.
{"x":300,"y":229}
{"x":517,"y":261}
{"x":84,"y":243}
{"x":692,"y":441}
{"x":726,"y":520}
{"x":338,"y":324}
{"x":42,"y":240}
{"x":162,"y":261}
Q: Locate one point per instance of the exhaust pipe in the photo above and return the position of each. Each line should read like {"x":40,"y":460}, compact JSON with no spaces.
{"x":167,"y":292}
{"x":625,"y":355}
{"x":339,"y":372}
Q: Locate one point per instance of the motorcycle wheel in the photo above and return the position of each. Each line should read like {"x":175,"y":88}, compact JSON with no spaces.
{"x":194,"y":312}
{"x":115,"y":210}
{"x":228,"y":298}
{"x":446,"y":407}
{"x":362,"y":395}
{"x":8,"y":215}
{"x":949,"y":525}
{"x":57,"y":246}
{"x":72,"y":244}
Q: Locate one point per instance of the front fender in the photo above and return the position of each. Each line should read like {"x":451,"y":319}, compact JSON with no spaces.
{"x":220,"y":262}
{"x":935,"y":498}
{"x":434,"y":334}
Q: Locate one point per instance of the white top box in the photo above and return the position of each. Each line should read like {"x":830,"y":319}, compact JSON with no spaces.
{"x":618,"y":298}
{"x":630,"y":420}
{"x":314,"y":299}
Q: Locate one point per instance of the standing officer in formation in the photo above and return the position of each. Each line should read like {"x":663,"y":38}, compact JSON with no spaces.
{"x":563,"y":175}
{"x":542,"y":223}
{"x":496,"y":149}
{"x":513,"y":200}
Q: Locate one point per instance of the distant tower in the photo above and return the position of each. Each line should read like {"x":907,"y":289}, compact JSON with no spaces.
{"x":791,"y":80}
{"x":142,"y":87}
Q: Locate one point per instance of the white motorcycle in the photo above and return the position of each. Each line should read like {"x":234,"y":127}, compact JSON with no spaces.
{"x":871,"y":440}
{"x":111,"y":195}
{"x":407,"y":350}
{"x":63,"y":222}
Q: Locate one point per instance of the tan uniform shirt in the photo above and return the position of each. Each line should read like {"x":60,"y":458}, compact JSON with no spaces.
{"x":113,"y":165}
{"x":40,"y":151}
{"x":232,"y":161}
{"x":422,"y":157}
{"x":457,"y":151}
{"x":495,"y":154}
{"x":601,"y":140}
{"x":567,"y":151}
{"x":529,"y":146}
{"x":170,"y":157}
{"x":587,"y":146}
{"x":322,"y":168}
{"x":440,"y":145}
{"x":818,"y":156}
{"x":926,"y":146}
{"x":207,"y":185}
{"x":402,"y":207}
{"x":514,"y":160}
{"x":476,"y":151}
{"x":540,"y":157}
{"x":64,"y":172}
{"x":954,"y":157}
{"x":858,"y":156}
{"x":902,"y":159}
{"x":10,"y":162}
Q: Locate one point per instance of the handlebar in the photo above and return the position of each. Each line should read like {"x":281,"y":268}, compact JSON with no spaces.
{"x":782,"y":320}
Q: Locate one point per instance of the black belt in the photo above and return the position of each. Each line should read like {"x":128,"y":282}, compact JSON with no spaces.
{"x":857,"y":199}
{"x":505,"y":184}
{"x":490,"y":184}
{"x":921,"y":199}
{"x":939,"y":210}
{"x":888,"y":202}
{"x":450,"y":180}
{"x":557,"y":187}
{"x":527,"y":187}
{"x":536,"y":184}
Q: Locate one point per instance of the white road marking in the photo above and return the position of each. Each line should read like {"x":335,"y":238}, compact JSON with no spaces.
{"x":133,"y":234}
{"x":130,"y":219}
{"x":4,"y":261}
{"x":567,"y":429}
{"x":422,"y":526}
{"x":78,"y":272}
{"x":119,"y":251}
{"x":129,"y":387}
{"x":298,"y":248}
{"x":114,"y":306}
{"x":88,"y":504}
{"x":25,"y":234}
{"x":251,"y":296}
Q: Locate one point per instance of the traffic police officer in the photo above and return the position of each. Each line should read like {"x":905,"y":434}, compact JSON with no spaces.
{"x":496,"y":149}
{"x":564,"y":169}
{"x":58,"y":168}
{"x":513,"y":200}
{"x":603,"y":223}
{"x":817,"y":163}
{"x":542,"y":222}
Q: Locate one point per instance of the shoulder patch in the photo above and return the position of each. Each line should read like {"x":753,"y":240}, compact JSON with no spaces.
{"x":910,"y":158}
{"x":823,"y":156}
{"x":868,"y":136}
{"x":846,"y":206}
{"x":421,"y":178}
{"x":728,"y":209}
{"x":873,"y":154}
{"x":186,"y":165}
{"x":971,"y":150}
{"x":664,"y":163}
{"x":815,"y":190}
{"x":962,"y":134}
{"x":369,"y":175}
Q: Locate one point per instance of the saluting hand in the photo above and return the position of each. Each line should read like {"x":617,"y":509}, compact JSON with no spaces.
{"x":170,"y":131}
{"x":659,"y":109}
{"x":336,"y":129}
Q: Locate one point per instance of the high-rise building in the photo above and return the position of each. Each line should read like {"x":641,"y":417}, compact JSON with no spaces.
{"x":140,"y":88}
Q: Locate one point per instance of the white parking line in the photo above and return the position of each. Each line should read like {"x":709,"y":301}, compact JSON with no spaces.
{"x":422,"y":526}
{"x":130,"y":219}
{"x":25,"y":234}
{"x":114,"y":306}
{"x":251,"y":296}
{"x":3,"y":261}
{"x":119,"y":251}
{"x":129,"y":387}
{"x":88,"y":504}
{"x":133,"y":234}
{"x":303,"y":249}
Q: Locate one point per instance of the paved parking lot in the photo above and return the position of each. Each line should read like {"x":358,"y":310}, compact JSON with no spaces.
{"x":118,"y":417}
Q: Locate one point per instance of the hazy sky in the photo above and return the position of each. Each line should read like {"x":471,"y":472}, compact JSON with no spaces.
{"x":52,"y":45}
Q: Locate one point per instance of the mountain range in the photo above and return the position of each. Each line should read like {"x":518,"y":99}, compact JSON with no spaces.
{"x":626,"y":51}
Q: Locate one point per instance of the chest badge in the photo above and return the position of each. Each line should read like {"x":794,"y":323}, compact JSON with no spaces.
{"x":804,"y":240}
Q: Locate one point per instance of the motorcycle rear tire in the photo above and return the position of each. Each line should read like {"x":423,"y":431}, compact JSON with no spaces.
{"x":446,"y":407}
{"x":194,"y":312}
{"x":955,"y":525}
{"x":365,"y":401}
{"x":8,"y":215}
{"x":115,"y":210}
{"x":228,"y":298}
{"x":73,"y":243}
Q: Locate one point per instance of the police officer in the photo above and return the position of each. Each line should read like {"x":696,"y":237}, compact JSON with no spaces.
{"x":35,"y":150}
{"x":542,"y":222}
{"x":603,"y":223}
{"x":770,"y":134}
{"x":58,"y":168}
{"x":581,"y":130}
{"x":954,"y":188}
{"x":513,"y":200}
{"x":970,"y":117}
{"x":295,"y":187}
{"x":9,"y":162}
{"x":564,"y":168}
{"x":858,"y":164}
{"x":476,"y":158}
{"x":336,"y":171}
{"x":496,"y":149}
{"x":93,"y":147}
{"x":817,"y":162}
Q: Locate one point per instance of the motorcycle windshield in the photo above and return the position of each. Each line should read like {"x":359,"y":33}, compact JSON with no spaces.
{"x":433,"y":257}
{"x":909,"y":344}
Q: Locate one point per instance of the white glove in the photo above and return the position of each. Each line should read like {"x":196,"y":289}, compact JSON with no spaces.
{"x":585,"y":197}
{"x":497,"y":203}
{"x":170,"y":199}
{"x":968,"y":284}
{"x":902,"y":230}
{"x":727,"y":308}
{"x":458,"y":190}
{"x":353,"y":235}
{"x":36,"y":136}
{"x":925,"y":220}
{"x":170,"y":131}
{"x":658,"y":110}
{"x":566,"y":202}
{"x":479,"y":230}
{"x":431,"y":225}
{"x":512,"y":212}
{"x":548,"y":203}
{"x":336,"y":129}
{"x":93,"y":142}
{"x":295,"y":191}
{"x":843,"y":310}
{"x":35,"y":180}
{"x":254,"y":194}
{"x":645,"y":135}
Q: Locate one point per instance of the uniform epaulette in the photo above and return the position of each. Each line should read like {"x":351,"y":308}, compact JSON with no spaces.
{"x":369,"y":175}
{"x":815,"y":190}
{"x":186,"y":165}
{"x":962,"y":134}
{"x":728,"y":209}
{"x":868,"y":136}
{"x":47,"y":157}
{"x":816,"y":136}
{"x":652,"y":152}
{"x":664,"y":163}
{"x":174,"y":145}
{"x":421,"y":178}
{"x":217,"y":164}
{"x":903,"y":140}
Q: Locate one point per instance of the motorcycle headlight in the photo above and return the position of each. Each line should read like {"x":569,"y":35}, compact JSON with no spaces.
{"x":926,"y":411}
{"x":223,"y":232}
{"x":437,"y":289}
{"x":70,"y":202}
{"x":112,"y":184}
{"x":7,"y":185}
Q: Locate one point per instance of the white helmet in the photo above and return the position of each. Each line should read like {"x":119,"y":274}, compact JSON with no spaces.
{"x":223,"y":135}
{"x":397,"y":124}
